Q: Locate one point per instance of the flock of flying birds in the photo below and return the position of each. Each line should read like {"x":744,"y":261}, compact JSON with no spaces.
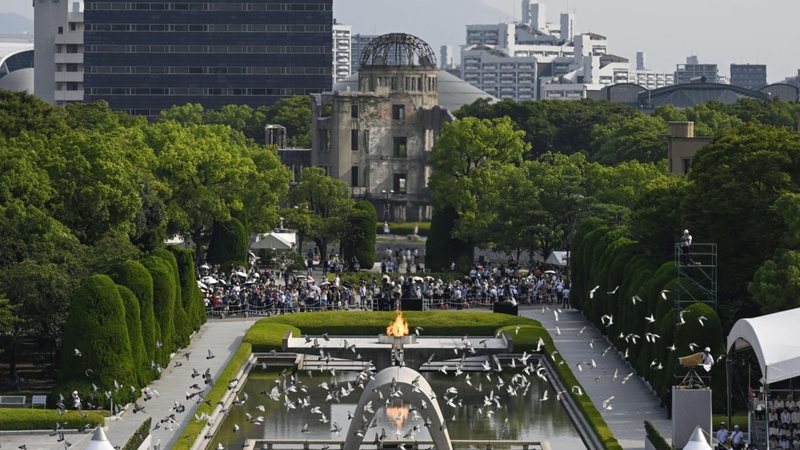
{"x":294,"y":394}
{"x":491,"y":379}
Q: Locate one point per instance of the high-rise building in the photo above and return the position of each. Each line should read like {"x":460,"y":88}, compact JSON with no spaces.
{"x":641,"y":61}
{"x":59,"y":51}
{"x":694,"y":72}
{"x":342,"y":51}
{"x":143,"y":56}
{"x":567,"y":31}
{"x":446,"y":57}
{"x":751,"y":76}
{"x":651,"y":79}
{"x":358,"y":43}
{"x":534,"y":15}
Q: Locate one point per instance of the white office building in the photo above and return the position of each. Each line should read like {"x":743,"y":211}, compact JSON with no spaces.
{"x":447,"y":58}
{"x":652,"y":79}
{"x":58,"y":56}
{"x":342,"y":51}
{"x":498,"y":74}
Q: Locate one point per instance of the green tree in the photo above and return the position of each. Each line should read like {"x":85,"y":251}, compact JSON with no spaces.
{"x":294,"y":113}
{"x":734,"y":184}
{"x":776,"y":284}
{"x":358,"y":241}
{"x":96,"y":328}
{"x":187,"y":114}
{"x":191,"y":296}
{"x":625,"y":138}
{"x":20,"y":112}
{"x":656,"y":217}
{"x":330,"y":202}
{"x":228,"y":244}
{"x":465,"y":164}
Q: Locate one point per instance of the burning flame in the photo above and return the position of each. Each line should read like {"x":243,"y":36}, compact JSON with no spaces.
{"x":398,"y":415}
{"x":398,"y":327}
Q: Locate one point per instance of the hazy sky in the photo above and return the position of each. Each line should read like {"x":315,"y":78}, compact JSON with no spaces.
{"x":717,"y":31}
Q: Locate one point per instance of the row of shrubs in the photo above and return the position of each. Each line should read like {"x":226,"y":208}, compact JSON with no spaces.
{"x":267,"y":334}
{"x":655,"y":437}
{"x":126,"y":323}
{"x":139,"y":436}
{"x":607,"y":262}
{"x":45,"y":419}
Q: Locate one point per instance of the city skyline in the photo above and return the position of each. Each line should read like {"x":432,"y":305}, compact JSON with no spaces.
{"x":718,"y":32}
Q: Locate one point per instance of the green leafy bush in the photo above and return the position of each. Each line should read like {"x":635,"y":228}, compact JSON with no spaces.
{"x":163,"y":304}
{"x":134,"y":276}
{"x":183,"y":328}
{"x":134,"y":323}
{"x":191,"y":296}
{"x":96,"y":327}
{"x":46,"y":419}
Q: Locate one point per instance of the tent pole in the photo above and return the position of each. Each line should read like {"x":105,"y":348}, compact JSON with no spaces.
{"x":766,"y":405}
{"x":728,"y":375}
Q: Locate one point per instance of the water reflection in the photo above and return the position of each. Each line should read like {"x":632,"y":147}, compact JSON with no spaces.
{"x":469,"y":416}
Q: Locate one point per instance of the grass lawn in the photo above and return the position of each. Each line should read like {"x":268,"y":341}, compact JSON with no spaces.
{"x":45,"y":419}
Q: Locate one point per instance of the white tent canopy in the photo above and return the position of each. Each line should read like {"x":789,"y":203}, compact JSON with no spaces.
{"x":557,"y":258}
{"x":275,"y":241}
{"x":772,"y":339}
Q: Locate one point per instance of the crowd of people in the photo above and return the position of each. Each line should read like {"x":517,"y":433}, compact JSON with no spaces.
{"x":236,"y":290}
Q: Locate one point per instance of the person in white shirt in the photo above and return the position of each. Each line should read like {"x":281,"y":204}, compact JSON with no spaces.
{"x":737,"y":438}
{"x":722,"y":436}
{"x":786,"y":416}
{"x":708,"y":360}
{"x":796,"y":416}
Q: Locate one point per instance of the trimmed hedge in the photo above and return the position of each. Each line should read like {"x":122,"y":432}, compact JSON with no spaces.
{"x":134,"y":276}
{"x":229,"y":244}
{"x":163,"y":304}
{"x":441,"y":249}
{"x":183,"y":328}
{"x":139,"y":436}
{"x":96,"y":326}
{"x":194,"y":428}
{"x":605,"y":257}
{"x":46,"y":419}
{"x":655,"y":437}
{"x":134,"y":323}
{"x":191,"y":296}
{"x":267,"y":334}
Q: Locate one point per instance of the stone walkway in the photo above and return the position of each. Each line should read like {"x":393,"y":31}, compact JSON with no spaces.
{"x":222,"y":337}
{"x":633,"y":401}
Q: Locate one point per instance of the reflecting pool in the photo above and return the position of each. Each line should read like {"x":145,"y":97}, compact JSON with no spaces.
{"x":479,"y":405}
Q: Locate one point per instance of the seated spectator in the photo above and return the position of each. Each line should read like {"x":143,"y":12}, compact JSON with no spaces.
{"x":786,"y":416}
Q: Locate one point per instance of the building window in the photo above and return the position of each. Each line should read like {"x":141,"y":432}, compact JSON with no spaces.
{"x":354,"y":111}
{"x":400,"y":183}
{"x":60,"y":30}
{"x":400,"y":147}
{"x":354,"y":140}
{"x":398,"y":112}
{"x":366,"y":141}
{"x":687,"y":164}
{"x":354,"y":176}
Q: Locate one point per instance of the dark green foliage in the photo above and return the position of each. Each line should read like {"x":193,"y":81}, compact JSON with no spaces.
{"x":655,"y":437}
{"x":163,"y":304}
{"x":441,"y":248}
{"x":20,"y":112}
{"x":228,"y":244}
{"x":191,"y":297}
{"x":183,"y":326}
{"x":359,"y":240}
{"x":134,"y":276}
{"x":139,"y":436}
{"x":96,"y":326}
{"x":133,"y":321}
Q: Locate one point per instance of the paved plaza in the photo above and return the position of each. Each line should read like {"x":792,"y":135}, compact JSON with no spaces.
{"x":633,"y":401}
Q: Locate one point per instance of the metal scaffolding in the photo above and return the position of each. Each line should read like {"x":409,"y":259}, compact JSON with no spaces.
{"x":696,"y":275}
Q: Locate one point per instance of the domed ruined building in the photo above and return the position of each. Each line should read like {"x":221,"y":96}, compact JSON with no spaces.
{"x":376,"y":129}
